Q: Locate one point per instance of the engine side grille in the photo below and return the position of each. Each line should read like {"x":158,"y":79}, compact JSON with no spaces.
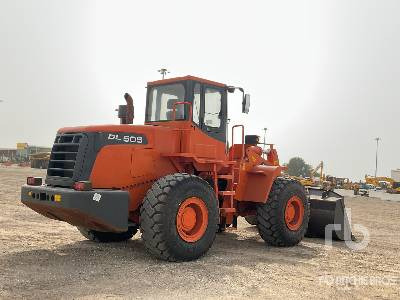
{"x":64,"y":154}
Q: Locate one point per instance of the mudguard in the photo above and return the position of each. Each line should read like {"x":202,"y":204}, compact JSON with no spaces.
{"x":255,"y":184}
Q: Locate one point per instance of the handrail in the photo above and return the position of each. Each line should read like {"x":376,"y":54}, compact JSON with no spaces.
{"x":233,"y":143}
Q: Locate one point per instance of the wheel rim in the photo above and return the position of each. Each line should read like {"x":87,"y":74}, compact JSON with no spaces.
{"x":294,"y":213}
{"x":192,"y":219}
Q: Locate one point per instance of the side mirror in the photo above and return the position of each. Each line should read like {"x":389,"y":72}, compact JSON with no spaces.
{"x":246,"y":104}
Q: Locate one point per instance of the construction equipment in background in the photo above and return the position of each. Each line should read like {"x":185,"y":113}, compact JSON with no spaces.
{"x":395,"y":185}
{"x":305,"y":181}
{"x":320,"y":168}
{"x":385,"y":183}
{"x":322,"y":181}
{"x":381,"y":182}
{"x":346,"y":184}
{"x":342,"y":183}
{"x":40,"y":160}
{"x":361,"y":189}
{"x":394,"y":188}
{"x":339,"y":182}
{"x":175,"y":178}
{"x":310,"y":180}
{"x":22,"y":154}
{"x":330,"y":182}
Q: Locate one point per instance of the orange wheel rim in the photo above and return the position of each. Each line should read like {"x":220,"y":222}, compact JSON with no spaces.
{"x":294,"y":213}
{"x":192,"y":219}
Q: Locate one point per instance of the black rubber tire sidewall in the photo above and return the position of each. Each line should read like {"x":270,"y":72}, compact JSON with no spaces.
{"x":181,"y":249}
{"x":271,"y":215}
{"x":252,"y":220}
{"x":159,"y":211}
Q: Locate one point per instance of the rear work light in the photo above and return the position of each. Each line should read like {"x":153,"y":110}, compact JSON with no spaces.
{"x":83,"y":186}
{"x":34,"y":181}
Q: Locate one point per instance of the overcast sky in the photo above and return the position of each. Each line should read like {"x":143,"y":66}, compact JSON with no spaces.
{"x":323,"y":75}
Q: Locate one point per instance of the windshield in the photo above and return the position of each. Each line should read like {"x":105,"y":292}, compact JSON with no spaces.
{"x":161,"y":102}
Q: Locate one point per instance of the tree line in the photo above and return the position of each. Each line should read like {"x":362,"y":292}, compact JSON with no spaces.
{"x":298,"y":167}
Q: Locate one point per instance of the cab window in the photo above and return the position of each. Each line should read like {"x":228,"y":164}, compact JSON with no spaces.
{"x":161,"y":102}
{"x":196,"y":103}
{"x":212,"y":107}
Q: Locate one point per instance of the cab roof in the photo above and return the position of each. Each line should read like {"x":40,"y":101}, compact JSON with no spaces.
{"x":187,"y":77}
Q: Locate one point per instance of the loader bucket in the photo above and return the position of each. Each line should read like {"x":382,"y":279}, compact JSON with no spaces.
{"x":327,"y":207}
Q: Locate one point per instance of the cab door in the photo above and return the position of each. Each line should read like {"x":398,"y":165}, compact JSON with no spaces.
{"x":213,"y":121}
{"x":209,"y":118}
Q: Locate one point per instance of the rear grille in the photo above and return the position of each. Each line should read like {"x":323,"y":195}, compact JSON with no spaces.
{"x":64,"y":154}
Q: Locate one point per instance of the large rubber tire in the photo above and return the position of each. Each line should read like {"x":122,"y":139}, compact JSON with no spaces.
{"x":271,"y":215}
{"x":107,"y":237}
{"x":158,"y":217}
{"x":252,"y":220}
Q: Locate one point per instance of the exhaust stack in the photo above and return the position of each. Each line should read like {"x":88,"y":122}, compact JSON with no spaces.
{"x":126,"y":111}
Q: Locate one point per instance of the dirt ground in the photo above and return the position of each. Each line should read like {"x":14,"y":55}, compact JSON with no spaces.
{"x":42,"y":258}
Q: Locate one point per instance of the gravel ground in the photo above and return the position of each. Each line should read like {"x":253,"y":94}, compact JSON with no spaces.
{"x":42,"y":258}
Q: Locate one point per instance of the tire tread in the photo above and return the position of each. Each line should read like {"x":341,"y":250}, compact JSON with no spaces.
{"x":151,"y":213}
{"x":268,"y":215}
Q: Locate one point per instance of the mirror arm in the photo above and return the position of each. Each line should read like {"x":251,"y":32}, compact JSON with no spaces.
{"x":232,"y":89}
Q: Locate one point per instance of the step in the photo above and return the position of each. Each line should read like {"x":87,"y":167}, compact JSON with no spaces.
{"x":227,"y":210}
{"x":227,"y":193}
{"x":225,"y":176}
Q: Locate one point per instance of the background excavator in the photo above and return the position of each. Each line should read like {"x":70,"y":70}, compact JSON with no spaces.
{"x":386,"y":183}
{"x":175,"y":178}
{"x":321,"y":181}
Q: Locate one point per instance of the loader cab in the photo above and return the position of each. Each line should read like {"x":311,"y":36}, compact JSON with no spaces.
{"x":205,"y":104}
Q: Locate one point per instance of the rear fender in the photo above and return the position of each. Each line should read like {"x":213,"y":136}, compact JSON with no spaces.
{"x":255,"y":184}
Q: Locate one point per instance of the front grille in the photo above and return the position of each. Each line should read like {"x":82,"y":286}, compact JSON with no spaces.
{"x":64,"y":154}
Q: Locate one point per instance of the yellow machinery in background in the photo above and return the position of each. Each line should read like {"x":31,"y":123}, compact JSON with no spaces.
{"x":312,"y":181}
{"x":40,"y":160}
{"x":394,"y":189}
{"x":377,"y":181}
{"x":328,"y":182}
{"x":387,"y":183}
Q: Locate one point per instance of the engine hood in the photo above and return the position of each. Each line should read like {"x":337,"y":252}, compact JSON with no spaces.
{"x":108,"y":128}
{"x":123,"y":134}
{"x":76,"y":149}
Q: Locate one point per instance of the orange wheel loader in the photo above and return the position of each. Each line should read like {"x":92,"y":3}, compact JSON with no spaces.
{"x":176,"y":178}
